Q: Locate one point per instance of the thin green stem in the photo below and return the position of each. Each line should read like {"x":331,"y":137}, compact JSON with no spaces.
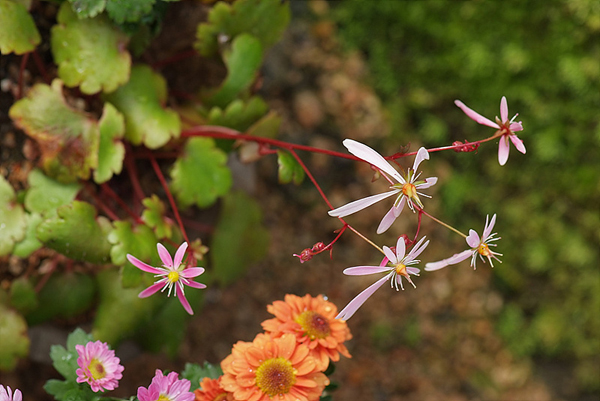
{"x":355,"y":231}
{"x":442,"y":223}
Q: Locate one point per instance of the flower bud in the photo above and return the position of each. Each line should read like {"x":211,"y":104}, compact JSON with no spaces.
{"x":318,"y":247}
{"x":305,"y":255}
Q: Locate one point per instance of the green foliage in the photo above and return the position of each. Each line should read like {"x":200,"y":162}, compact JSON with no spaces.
{"x":289,"y":168}
{"x":195,"y":373}
{"x":238,"y":114}
{"x":46,"y":195}
{"x":141,"y":101}
{"x":111,"y":150}
{"x":22,"y":295}
{"x":239,"y":239}
{"x":90,"y":53}
{"x":30,"y":243}
{"x":18,"y":33}
{"x":12,"y":218}
{"x":154,"y":217}
{"x":200,"y":176}
{"x":13,"y":337}
{"x":77,"y":233}
{"x":264,"y":19}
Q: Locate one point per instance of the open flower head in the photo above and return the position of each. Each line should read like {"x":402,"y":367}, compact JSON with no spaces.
{"x":211,"y":390}
{"x":396,"y":264}
{"x":172,"y":274}
{"x":479,"y":246}
{"x":406,"y":189}
{"x":98,"y":366}
{"x":507,"y":128}
{"x":312,"y":320}
{"x":272,"y":369}
{"x":166,"y":388}
{"x":6,"y":394}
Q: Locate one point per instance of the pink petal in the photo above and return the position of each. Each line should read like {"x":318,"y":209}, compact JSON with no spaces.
{"x":473,"y":115}
{"x":387,"y":220}
{"x":516,"y":127}
{"x":503,"y":150}
{"x":417,"y":249}
{"x":360,"y":204}
{"x":165,"y":256}
{"x":400,"y":248}
{"x":183,"y":300}
{"x":488,"y":227}
{"x":179,"y":255}
{"x":390,"y":255}
{"x":143,"y":266}
{"x":503,"y":109}
{"x":422,"y":154}
{"x":413,"y":270}
{"x":371,"y":156}
{"x":151,"y":290}
{"x":518,"y":143}
{"x":473,"y":239}
{"x":454,"y":259}
{"x":360,"y":299}
{"x":195,"y":284}
{"x":192,"y":272}
{"x":429,"y":182}
{"x":365,"y":270}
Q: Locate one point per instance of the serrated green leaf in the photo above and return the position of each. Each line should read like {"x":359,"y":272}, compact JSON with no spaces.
{"x":65,"y":296}
{"x":200,"y":176}
{"x":59,"y":388}
{"x":78,"y":337}
{"x":289,"y":168}
{"x":122,"y":11}
{"x":77,"y":233}
{"x":243,"y":61}
{"x":239,"y":238}
{"x":141,"y":101}
{"x":87,"y":8}
{"x":45,"y":194}
{"x":195,"y":373}
{"x":13,"y":337}
{"x":111,"y":151}
{"x":12,"y":218}
{"x":154,"y":217}
{"x":264,"y":19}
{"x":64,"y":361}
{"x":68,"y":138}
{"x":239,"y":114}
{"x":22,"y":295}
{"x":18,"y":33}
{"x":90,"y":53}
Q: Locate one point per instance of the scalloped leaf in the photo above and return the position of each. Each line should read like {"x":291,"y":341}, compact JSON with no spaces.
{"x":239,"y":238}
{"x":111,"y":151}
{"x":200,"y":175}
{"x":154,"y":217}
{"x":77,"y":233}
{"x":243,"y":61}
{"x":12,"y":218}
{"x":87,"y":8}
{"x":18,"y":33}
{"x":13,"y":337}
{"x":68,"y":138}
{"x":90,"y":53}
{"x":141,"y":101}
{"x":289,"y":168}
{"x":30,"y":243}
{"x":45,"y":194}
{"x":264,"y":19}
{"x":238,"y":114}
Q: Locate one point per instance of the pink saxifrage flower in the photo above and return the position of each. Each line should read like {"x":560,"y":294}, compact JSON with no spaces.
{"x":166,"y":388}
{"x":406,"y":188}
{"x":397,"y":264}
{"x":98,"y":366}
{"x":507,"y":128}
{"x":172,"y":274}
{"x":479,"y":246}
{"x":6,"y":394}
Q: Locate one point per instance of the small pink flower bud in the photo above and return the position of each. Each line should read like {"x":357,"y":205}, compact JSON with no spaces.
{"x":467,"y":147}
{"x":318,"y":247}
{"x":305,"y":255}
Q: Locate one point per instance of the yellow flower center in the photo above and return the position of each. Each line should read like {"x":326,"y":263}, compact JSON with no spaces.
{"x":313,"y":324}
{"x":275,"y":376}
{"x":409,"y":190}
{"x":163,"y":397}
{"x":173,"y":276}
{"x":96,"y":369}
{"x":483,"y":249}
{"x":401,"y":270}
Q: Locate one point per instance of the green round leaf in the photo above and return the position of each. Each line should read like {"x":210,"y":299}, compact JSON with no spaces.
{"x":17,"y":30}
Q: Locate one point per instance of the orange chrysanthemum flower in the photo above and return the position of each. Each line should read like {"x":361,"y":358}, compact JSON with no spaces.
{"x":211,"y":390}
{"x":272,"y":367}
{"x":313,"y":322}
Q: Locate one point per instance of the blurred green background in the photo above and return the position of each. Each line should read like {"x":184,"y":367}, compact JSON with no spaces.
{"x":545,"y":58}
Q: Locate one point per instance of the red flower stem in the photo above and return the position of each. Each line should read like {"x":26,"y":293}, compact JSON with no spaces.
{"x":418,"y":225}
{"x":312,"y":179}
{"x":398,"y":155}
{"x":101,"y":205}
{"x":205,"y":228}
{"x":165,"y":186}
{"x":40,"y":66}
{"x":21,"y":72}
{"x":108,"y":190}
{"x":133,"y":176}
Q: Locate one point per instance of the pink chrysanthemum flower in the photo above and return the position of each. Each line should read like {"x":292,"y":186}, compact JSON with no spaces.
{"x":507,"y":128}
{"x":98,"y":366}
{"x":172,"y":274}
{"x":406,"y":188}
{"x":479,"y":246}
{"x":166,"y":388}
{"x":397,"y":264}
{"x":6,"y":394}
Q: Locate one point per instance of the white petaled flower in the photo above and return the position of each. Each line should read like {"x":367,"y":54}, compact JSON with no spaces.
{"x":395,"y":264}
{"x":479,"y":246}
{"x":407,"y":188}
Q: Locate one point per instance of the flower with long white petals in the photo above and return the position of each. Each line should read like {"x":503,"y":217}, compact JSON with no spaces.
{"x":406,"y":189}
{"x":6,"y":394}
{"x":507,"y":128}
{"x":396,"y":264}
{"x":479,"y":246}
{"x":172,"y":274}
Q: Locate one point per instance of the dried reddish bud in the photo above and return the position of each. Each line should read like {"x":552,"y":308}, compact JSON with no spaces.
{"x":305,"y":255}
{"x":407,"y":241}
{"x":466,"y":147}
{"x":318,"y":247}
